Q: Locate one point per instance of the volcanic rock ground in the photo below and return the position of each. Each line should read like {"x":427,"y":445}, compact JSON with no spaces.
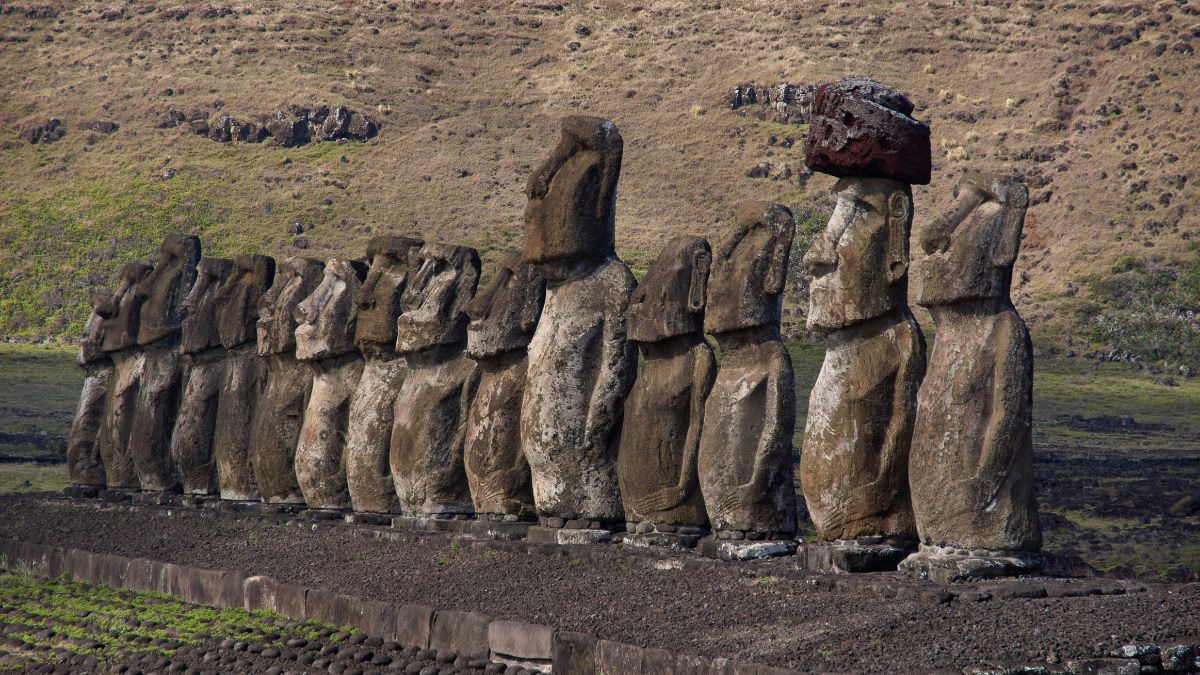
{"x":764,"y":612}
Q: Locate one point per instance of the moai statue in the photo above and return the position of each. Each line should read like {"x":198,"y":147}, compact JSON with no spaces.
{"x":657,"y":463}
{"x":854,"y":465}
{"x":373,"y":405}
{"x":745,"y":459}
{"x":325,"y":343}
{"x":580,"y":364}
{"x":84,"y":466}
{"x":120,"y":329}
{"x":971,"y":468}
{"x":245,"y":373}
{"x":431,"y":406}
{"x":196,"y":423}
{"x":503,"y":317}
{"x":280,"y":412}
{"x":160,"y":324}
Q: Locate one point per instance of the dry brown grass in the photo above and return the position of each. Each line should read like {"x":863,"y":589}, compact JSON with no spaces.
{"x":477,"y":88}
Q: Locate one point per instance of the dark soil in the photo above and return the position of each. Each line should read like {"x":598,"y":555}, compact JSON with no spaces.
{"x":763,"y":612}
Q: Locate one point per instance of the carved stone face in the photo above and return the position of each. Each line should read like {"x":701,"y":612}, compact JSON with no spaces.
{"x":505,"y":313}
{"x":572,"y":196}
{"x":434,"y":305}
{"x":745,"y":288}
{"x":326,"y":317}
{"x":859,"y":263}
{"x":377,"y":303}
{"x":294,"y":280}
{"x":165,"y":288}
{"x":237,"y":300}
{"x":670,"y":299}
{"x":121,"y":312}
{"x":200,"y":306}
{"x":91,"y":343}
{"x":970,"y":250}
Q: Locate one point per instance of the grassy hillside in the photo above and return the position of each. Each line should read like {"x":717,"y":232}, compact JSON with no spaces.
{"x":1090,"y":102}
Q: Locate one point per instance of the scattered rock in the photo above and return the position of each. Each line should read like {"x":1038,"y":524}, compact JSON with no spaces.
{"x":47,"y":132}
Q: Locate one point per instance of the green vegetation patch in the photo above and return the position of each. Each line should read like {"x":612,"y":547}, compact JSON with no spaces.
{"x":98,"y":621}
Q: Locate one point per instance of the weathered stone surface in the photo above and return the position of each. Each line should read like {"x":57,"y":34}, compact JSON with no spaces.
{"x":327,"y":318}
{"x":320,"y":451}
{"x":245,"y":374}
{"x":432,"y":403}
{"x":369,"y":437}
{"x":243,"y":386}
{"x":657,"y":463}
{"x":465,"y":633}
{"x":414,"y":625}
{"x":119,"y":327}
{"x":935,"y":563}
{"x":505,"y":313}
{"x":746,"y":550}
{"x":503,"y":318}
{"x":572,"y":196}
{"x":84,"y":465}
{"x":745,"y":457}
{"x":159,"y":334}
{"x":863,"y":128}
{"x":325,"y":341}
{"x":196,"y":423}
{"x":372,"y":407}
{"x":580,"y":364}
{"x":519,"y":640}
{"x":377,"y":302}
{"x":850,"y":557}
{"x":259,"y":593}
{"x":279,"y":414}
{"x":854,"y":466}
{"x":972,"y":448}
{"x":238,"y":297}
{"x":574,"y":653}
{"x":204,"y":364}
{"x":159,"y":393}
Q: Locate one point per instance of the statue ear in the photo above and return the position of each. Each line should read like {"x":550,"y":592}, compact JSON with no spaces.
{"x":781,"y":246}
{"x":899,"y":215}
{"x":535,"y":295}
{"x":1012,"y":220}
{"x":698,"y":286}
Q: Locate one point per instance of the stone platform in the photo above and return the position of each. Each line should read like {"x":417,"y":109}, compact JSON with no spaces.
{"x":944,"y":565}
{"x":853,"y":556}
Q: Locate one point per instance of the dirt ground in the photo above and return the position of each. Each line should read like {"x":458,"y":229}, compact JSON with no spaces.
{"x":763,"y":612}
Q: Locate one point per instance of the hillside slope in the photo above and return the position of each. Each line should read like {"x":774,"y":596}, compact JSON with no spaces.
{"x":1091,"y":102}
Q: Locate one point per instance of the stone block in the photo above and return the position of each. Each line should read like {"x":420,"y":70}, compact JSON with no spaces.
{"x":689,"y":664}
{"x":8,"y":554}
{"x":33,"y":557}
{"x":143,"y":575}
{"x":849,"y":558}
{"x":745,"y":550}
{"x":291,"y":601}
{"x":110,"y":570}
{"x":379,"y":619}
{"x":414,"y":625}
{"x":658,"y":662}
{"x":77,"y":564}
{"x":538,"y":534}
{"x":215,"y":588}
{"x":568,"y":537}
{"x":617,"y":658}
{"x":574,"y":653}
{"x":501,"y":531}
{"x":519,"y":640}
{"x":465,"y":633}
{"x":170,"y":579}
{"x":669,"y":541}
{"x":756,"y":669}
{"x":955,"y":568}
{"x":1104,"y":666}
{"x":260,"y":592}
{"x":56,"y":563}
{"x":333,"y":608}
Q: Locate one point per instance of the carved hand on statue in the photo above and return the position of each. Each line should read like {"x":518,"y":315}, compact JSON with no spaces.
{"x":662,"y":500}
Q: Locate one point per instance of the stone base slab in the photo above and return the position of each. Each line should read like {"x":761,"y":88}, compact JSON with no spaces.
{"x":116,"y":496}
{"x":323,"y":514}
{"x":851,"y":557}
{"x":951,"y":568}
{"x":725,"y":549}
{"x":663,"y":540}
{"x":539,"y":534}
{"x":370,"y":518}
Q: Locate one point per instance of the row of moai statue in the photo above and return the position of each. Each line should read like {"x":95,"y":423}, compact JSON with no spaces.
{"x":566,"y":390}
